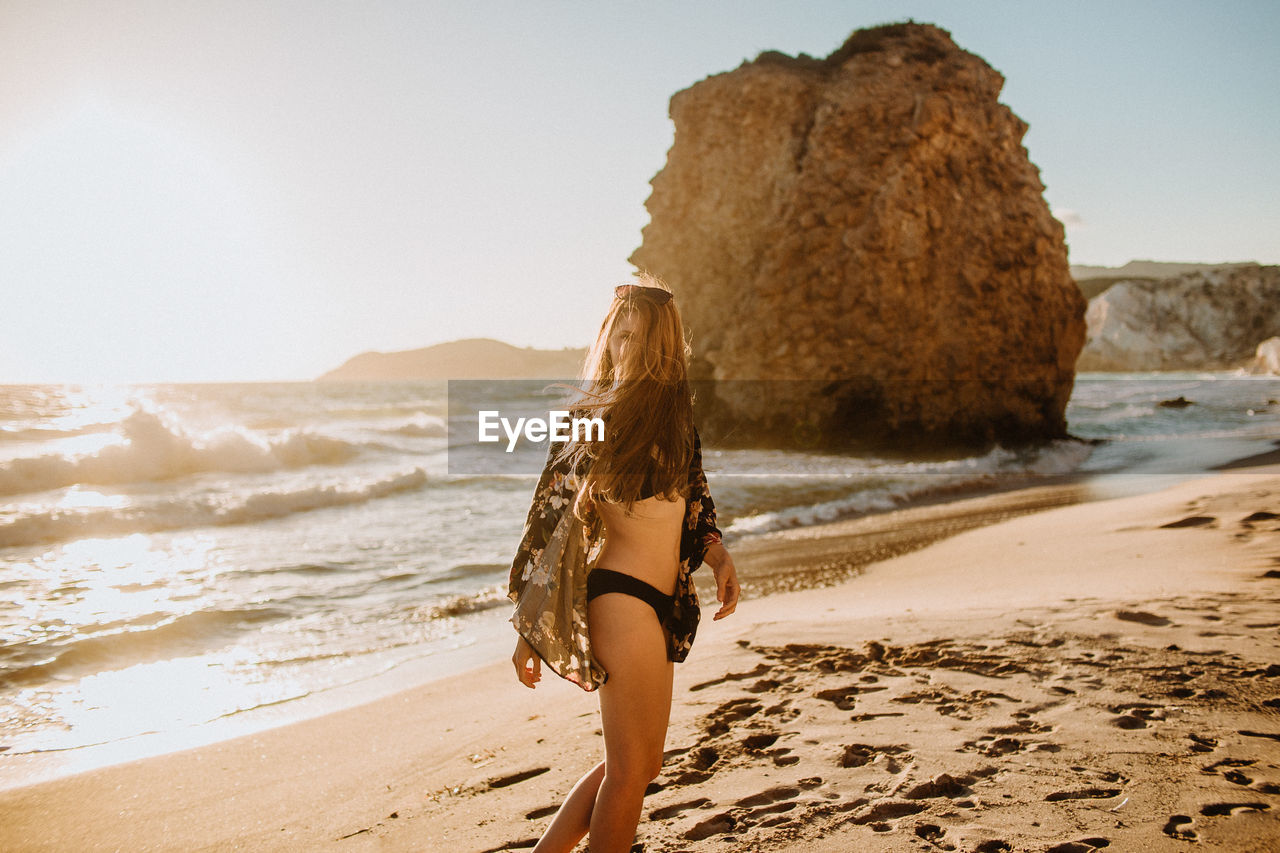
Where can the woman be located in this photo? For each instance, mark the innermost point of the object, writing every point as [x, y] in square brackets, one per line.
[619, 619]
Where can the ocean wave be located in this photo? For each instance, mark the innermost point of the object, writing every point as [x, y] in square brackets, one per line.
[421, 425]
[155, 448]
[319, 569]
[460, 605]
[466, 571]
[60, 525]
[49, 433]
[190, 633]
[917, 480]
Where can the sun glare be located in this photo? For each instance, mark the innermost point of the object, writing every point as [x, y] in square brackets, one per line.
[134, 236]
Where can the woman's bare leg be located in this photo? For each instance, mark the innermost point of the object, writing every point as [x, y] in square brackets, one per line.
[635, 707]
[574, 817]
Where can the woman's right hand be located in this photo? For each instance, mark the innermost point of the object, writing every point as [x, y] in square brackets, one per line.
[727, 587]
[528, 664]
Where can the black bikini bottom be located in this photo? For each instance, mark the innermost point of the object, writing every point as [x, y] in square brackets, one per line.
[600, 581]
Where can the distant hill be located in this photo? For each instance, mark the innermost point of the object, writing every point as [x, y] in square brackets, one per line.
[472, 358]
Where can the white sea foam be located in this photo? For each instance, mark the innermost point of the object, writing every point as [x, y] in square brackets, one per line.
[48, 433]
[154, 447]
[59, 524]
[421, 425]
[909, 481]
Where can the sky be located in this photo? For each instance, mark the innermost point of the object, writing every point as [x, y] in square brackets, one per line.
[258, 191]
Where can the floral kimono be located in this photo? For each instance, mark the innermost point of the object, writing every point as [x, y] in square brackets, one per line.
[549, 574]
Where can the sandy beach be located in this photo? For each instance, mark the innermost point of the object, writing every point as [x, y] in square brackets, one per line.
[1086, 676]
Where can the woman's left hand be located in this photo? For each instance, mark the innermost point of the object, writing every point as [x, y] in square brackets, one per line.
[727, 589]
[528, 664]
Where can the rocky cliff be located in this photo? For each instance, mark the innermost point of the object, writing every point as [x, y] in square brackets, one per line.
[1093, 280]
[1266, 358]
[864, 242]
[1209, 319]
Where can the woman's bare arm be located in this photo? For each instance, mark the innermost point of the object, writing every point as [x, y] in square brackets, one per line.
[726, 574]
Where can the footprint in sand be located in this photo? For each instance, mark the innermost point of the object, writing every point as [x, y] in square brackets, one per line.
[1135, 715]
[717, 825]
[844, 697]
[704, 757]
[1268, 735]
[1021, 727]
[769, 685]
[1272, 671]
[504, 781]
[693, 768]
[1084, 794]
[1235, 777]
[943, 785]
[761, 669]
[861, 754]
[1179, 826]
[934, 834]
[522, 844]
[862, 718]
[545, 811]
[783, 758]
[1084, 845]
[1104, 775]
[733, 711]
[1228, 809]
[1129, 721]
[1202, 743]
[771, 796]
[1229, 762]
[886, 810]
[994, 746]
[671, 811]
[760, 742]
[764, 809]
[1261, 515]
[1190, 521]
[783, 711]
[1143, 617]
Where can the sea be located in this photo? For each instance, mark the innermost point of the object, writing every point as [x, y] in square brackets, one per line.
[185, 562]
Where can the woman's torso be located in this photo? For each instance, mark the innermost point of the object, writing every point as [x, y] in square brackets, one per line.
[644, 542]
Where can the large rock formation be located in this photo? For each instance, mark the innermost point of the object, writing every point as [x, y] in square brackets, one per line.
[1204, 320]
[867, 232]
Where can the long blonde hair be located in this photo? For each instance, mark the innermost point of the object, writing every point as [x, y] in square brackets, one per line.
[645, 403]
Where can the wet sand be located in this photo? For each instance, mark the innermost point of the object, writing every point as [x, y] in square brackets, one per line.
[1092, 675]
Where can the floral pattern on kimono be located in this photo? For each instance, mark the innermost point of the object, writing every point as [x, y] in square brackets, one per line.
[548, 579]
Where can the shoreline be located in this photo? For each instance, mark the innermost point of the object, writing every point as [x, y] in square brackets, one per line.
[833, 552]
[1062, 641]
[837, 551]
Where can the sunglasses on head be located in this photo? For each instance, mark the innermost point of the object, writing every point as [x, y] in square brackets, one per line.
[656, 295]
